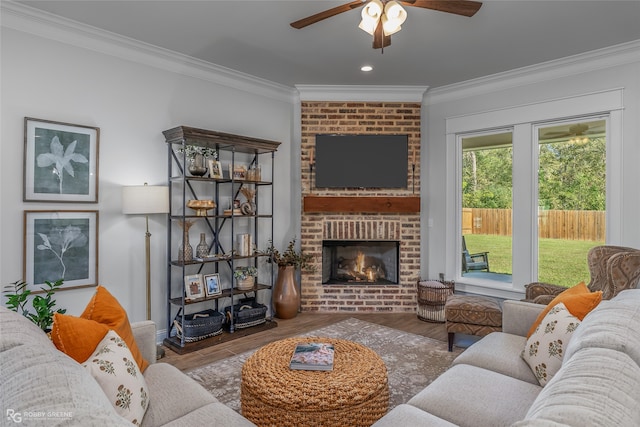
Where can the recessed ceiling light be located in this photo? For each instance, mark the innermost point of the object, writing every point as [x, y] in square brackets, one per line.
[366, 68]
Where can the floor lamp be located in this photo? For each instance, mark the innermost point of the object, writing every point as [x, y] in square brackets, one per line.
[146, 200]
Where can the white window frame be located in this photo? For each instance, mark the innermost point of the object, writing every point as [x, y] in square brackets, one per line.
[523, 120]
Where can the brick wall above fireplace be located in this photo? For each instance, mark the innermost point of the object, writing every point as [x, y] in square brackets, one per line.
[380, 217]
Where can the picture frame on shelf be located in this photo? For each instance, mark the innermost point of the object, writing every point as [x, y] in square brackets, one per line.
[215, 169]
[60, 162]
[212, 284]
[193, 286]
[60, 245]
[238, 172]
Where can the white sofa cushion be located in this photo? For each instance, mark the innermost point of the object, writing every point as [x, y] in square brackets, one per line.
[409, 416]
[595, 387]
[499, 352]
[613, 324]
[470, 396]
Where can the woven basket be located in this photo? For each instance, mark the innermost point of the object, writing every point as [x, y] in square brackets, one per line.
[432, 296]
[198, 326]
[245, 284]
[246, 314]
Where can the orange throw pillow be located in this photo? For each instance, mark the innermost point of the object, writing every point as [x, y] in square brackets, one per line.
[105, 309]
[76, 337]
[578, 299]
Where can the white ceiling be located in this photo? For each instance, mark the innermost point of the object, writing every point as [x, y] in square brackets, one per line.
[433, 49]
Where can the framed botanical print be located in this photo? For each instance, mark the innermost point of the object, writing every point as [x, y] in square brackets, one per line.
[61, 245]
[60, 162]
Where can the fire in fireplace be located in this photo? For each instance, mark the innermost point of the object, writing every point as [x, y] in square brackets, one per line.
[360, 262]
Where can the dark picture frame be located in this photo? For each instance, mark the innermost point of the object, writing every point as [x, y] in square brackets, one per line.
[60, 162]
[61, 245]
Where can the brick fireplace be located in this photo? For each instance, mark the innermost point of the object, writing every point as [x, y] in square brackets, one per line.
[369, 216]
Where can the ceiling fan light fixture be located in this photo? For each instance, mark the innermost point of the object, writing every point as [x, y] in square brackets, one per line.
[393, 18]
[371, 14]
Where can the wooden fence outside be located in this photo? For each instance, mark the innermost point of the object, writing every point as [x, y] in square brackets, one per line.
[552, 224]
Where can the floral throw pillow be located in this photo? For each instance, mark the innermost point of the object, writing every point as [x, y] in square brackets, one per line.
[545, 348]
[117, 372]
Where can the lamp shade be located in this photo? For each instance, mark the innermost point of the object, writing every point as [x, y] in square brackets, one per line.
[145, 199]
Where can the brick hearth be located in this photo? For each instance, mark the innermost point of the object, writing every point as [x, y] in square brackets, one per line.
[361, 118]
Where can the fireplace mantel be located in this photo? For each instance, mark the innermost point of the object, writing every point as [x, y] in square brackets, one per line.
[357, 204]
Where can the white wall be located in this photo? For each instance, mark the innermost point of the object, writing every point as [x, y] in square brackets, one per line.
[608, 69]
[132, 103]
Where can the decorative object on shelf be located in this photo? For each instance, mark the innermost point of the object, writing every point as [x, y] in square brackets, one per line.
[238, 172]
[60, 162]
[286, 292]
[202, 250]
[197, 165]
[201, 206]
[197, 158]
[215, 169]
[248, 207]
[212, 284]
[17, 294]
[193, 286]
[146, 200]
[254, 173]
[244, 244]
[185, 251]
[245, 277]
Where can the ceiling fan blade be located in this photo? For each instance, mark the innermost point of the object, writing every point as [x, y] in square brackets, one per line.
[458, 7]
[380, 41]
[327, 14]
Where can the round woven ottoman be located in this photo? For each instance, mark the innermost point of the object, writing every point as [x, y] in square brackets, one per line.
[354, 393]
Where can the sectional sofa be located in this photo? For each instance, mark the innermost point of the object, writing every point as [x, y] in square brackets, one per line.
[42, 386]
[598, 383]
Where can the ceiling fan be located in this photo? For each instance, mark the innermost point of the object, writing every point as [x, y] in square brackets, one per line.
[381, 18]
[577, 130]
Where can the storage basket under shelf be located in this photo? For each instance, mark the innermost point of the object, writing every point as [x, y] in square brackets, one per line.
[246, 313]
[432, 296]
[200, 325]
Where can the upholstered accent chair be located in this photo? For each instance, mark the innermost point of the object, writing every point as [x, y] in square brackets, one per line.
[612, 269]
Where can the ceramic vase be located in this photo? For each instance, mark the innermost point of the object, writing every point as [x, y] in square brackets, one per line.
[202, 250]
[197, 165]
[185, 251]
[286, 296]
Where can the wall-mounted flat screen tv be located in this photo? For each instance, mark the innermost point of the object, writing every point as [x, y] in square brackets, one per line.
[361, 161]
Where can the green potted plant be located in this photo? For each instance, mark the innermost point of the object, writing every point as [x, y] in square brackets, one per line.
[245, 277]
[286, 293]
[18, 295]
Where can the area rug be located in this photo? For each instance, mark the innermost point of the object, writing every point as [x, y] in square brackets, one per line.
[412, 361]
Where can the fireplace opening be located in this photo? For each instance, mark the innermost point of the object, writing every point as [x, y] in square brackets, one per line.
[363, 262]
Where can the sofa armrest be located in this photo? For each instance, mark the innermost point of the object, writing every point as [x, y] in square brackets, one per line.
[518, 316]
[144, 333]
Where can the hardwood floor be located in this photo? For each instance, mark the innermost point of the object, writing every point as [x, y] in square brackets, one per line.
[304, 322]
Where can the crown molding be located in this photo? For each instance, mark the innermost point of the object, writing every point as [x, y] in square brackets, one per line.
[612, 56]
[361, 93]
[36, 22]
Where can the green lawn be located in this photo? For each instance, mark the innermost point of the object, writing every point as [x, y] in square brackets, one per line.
[563, 262]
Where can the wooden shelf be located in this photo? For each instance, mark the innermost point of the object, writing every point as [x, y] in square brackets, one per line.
[356, 204]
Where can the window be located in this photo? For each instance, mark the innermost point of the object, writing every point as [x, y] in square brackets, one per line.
[565, 158]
